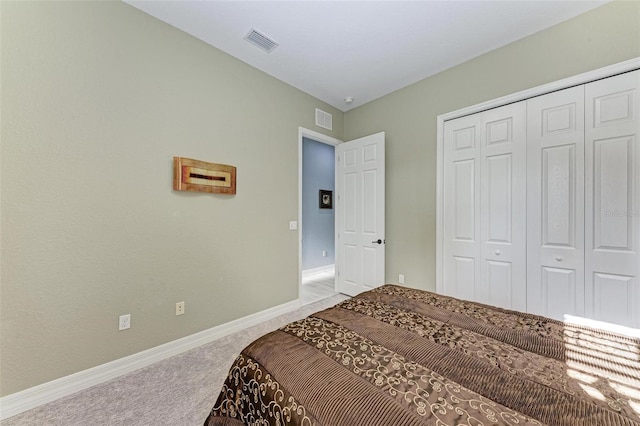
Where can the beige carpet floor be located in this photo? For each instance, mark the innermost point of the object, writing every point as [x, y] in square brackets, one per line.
[177, 391]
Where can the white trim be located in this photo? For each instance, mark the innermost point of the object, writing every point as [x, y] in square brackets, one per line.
[27, 399]
[583, 78]
[319, 270]
[318, 137]
[439, 202]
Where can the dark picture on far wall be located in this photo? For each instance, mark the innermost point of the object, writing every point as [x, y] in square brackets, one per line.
[326, 199]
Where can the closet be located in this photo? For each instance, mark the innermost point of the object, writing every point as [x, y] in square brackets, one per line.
[540, 203]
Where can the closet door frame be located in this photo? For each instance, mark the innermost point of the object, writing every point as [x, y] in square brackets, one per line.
[583, 78]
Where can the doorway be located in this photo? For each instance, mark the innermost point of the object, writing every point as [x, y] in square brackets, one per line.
[316, 216]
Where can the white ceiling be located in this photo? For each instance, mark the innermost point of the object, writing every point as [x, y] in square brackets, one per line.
[361, 49]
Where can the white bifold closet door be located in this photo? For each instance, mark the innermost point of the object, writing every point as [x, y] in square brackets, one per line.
[555, 203]
[542, 203]
[612, 193]
[485, 204]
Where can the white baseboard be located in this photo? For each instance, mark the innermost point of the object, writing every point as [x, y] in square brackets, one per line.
[27, 399]
[319, 270]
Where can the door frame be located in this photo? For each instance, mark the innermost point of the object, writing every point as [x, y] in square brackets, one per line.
[565, 83]
[328, 140]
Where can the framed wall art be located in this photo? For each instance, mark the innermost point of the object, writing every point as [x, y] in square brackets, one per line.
[326, 199]
[200, 176]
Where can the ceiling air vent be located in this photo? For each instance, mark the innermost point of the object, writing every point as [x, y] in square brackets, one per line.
[324, 119]
[260, 40]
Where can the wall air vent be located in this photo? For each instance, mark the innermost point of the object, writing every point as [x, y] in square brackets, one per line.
[260, 40]
[324, 119]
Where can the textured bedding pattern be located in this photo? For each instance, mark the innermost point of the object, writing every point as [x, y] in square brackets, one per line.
[399, 356]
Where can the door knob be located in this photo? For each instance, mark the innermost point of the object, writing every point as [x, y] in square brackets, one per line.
[378, 241]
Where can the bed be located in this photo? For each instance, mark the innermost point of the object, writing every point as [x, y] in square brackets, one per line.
[400, 356]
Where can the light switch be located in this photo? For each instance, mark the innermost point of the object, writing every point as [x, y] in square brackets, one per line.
[293, 225]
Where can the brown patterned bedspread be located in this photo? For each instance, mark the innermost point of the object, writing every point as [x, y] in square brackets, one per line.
[398, 356]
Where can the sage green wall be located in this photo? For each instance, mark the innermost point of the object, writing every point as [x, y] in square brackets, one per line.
[97, 97]
[606, 35]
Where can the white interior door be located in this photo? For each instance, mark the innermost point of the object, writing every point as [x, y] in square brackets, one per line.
[360, 214]
[555, 213]
[612, 193]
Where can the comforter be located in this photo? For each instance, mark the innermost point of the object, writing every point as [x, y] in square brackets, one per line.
[400, 356]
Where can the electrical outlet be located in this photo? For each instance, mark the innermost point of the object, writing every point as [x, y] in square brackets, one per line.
[124, 322]
[401, 279]
[324, 253]
[179, 308]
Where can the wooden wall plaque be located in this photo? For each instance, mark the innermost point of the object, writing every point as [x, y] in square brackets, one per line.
[200, 176]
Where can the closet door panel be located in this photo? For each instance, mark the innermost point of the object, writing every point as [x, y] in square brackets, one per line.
[502, 211]
[558, 200]
[499, 283]
[499, 202]
[612, 195]
[615, 295]
[462, 278]
[555, 199]
[462, 204]
[558, 289]
[613, 199]
[463, 199]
